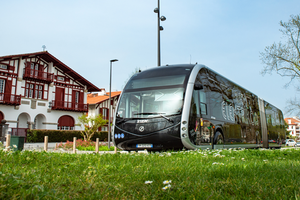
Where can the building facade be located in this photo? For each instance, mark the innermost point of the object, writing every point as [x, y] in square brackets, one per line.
[38, 91]
[293, 126]
[99, 104]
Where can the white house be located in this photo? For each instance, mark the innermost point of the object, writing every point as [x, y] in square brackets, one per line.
[99, 104]
[294, 126]
[38, 91]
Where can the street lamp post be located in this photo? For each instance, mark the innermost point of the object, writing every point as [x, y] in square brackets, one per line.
[109, 103]
[159, 28]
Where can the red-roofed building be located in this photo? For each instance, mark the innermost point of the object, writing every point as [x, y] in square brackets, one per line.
[38, 91]
[99, 104]
[294, 126]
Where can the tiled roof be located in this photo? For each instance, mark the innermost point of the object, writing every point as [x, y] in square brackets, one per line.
[293, 121]
[92, 99]
[45, 55]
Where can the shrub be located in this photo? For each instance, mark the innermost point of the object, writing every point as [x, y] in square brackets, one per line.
[38, 135]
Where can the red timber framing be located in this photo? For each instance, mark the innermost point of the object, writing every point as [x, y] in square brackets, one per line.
[8, 81]
[36, 71]
[67, 98]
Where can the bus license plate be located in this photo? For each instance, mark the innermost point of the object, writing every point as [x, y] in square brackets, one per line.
[144, 146]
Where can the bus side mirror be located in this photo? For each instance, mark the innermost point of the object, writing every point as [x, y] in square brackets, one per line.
[198, 86]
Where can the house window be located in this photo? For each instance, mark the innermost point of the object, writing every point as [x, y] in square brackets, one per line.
[34, 69]
[65, 123]
[104, 113]
[3, 66]
[2, 81]
[59, 78]
[33, 90]
[77, 97]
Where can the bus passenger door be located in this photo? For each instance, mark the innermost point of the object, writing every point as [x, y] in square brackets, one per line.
[199, 125]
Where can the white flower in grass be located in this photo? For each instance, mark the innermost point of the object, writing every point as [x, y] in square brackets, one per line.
[216, 163]
[167, 182]
[243, 159]
[265, 160]
[15, 146]
[166, 187]
[148, 182]
[232, 157]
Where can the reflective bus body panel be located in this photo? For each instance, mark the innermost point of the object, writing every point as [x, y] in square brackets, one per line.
[219, 114]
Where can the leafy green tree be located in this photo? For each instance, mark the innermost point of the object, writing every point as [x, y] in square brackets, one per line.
[91, 125]
[284, 57]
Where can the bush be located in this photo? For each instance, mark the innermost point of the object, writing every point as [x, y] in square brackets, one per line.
[37, 135]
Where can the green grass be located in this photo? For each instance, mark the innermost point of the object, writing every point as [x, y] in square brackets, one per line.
[224, 174]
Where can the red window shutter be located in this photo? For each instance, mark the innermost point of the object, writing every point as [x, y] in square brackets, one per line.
[1, 116]
[59, 97]
[28, 64]
[66, 121]
[81, 97]
[7, 90]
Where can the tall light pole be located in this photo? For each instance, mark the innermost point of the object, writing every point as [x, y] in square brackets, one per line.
[109, 103]
[159, 28]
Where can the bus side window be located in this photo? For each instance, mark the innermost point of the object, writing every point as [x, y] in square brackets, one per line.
[195, 104]
[203, 104]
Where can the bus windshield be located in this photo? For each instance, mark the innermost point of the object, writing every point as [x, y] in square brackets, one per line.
[151, 103]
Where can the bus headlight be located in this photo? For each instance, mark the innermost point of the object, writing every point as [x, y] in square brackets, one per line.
[184, 135]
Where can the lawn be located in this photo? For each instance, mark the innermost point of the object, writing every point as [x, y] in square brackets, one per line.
[222, 174]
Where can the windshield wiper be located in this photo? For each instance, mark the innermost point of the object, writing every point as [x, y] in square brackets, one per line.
[167, 118]
[154, 113]
[148, 113]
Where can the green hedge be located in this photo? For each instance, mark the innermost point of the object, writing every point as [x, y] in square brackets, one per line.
[36, 135]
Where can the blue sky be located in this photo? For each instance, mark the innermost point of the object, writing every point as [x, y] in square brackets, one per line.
[225, 35]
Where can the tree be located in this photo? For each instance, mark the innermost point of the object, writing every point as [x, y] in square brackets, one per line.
[136, 70]
[91, 125]
[284, 57]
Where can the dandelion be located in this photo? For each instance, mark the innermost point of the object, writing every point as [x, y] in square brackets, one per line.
[148, 182]
[166, 187]
[167, 182]
[216, 163]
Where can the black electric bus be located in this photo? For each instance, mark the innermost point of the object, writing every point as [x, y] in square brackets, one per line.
[192, 107]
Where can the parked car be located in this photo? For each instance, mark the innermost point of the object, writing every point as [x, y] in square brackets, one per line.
[297, 144]
[290, 142]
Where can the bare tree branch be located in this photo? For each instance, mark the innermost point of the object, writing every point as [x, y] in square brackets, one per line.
[284, 57]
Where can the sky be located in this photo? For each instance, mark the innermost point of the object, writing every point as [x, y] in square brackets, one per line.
[225, 35]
